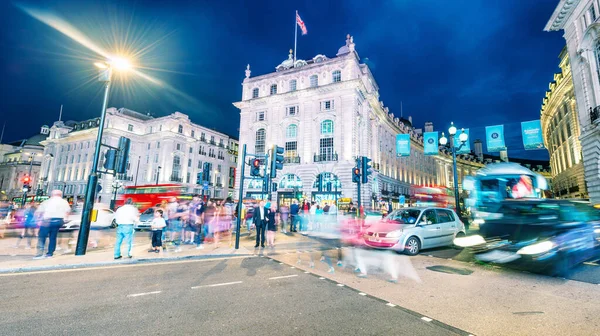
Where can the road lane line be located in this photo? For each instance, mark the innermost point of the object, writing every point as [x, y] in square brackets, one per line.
[142, 294]
[363, 294]
[591, 263]
[219, 284]
[283, 277]
[426, 319]
[389, 304]
[340, 285]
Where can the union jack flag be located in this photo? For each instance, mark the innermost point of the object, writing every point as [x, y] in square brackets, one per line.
[301, 24]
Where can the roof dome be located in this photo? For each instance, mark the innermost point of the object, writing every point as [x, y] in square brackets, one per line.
[35, 140]
[348, 47]
[287, 64]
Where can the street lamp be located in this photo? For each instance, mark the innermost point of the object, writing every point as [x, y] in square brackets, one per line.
[462, 137]
[105, 76]
[157, 174]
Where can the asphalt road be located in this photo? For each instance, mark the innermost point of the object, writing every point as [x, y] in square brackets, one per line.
[239, 296]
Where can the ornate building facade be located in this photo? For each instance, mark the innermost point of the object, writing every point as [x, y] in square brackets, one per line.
[579, 19]
[169, 149]
[326, 112]
[19, 159]
[560, 127]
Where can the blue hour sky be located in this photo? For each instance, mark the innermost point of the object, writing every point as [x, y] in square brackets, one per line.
[474, 62]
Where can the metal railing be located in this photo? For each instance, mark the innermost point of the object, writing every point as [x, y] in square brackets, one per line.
[325, 157]
[291, 160]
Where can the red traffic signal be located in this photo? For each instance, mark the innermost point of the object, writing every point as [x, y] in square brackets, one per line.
[255, 169]
[26, 179]
[256, 163]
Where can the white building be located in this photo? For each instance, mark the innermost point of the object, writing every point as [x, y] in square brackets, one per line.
[326, 112]
[17, 160]
[579, 19]
[168, 149]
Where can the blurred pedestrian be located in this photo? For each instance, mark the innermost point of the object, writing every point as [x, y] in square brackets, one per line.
[352, 211]
[126, 217]
[228, 218]
[200, 226]
[53, 211]
[29, 226]
[271, 223]
[295, 215]
[260, 221]
[312, 216]
[211, 220]
[284, 212]
[4, 223]
[192, 219]
[250, 217]
[158, 223]
[174, 224]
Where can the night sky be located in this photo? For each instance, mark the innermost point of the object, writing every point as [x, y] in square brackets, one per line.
[477, 63]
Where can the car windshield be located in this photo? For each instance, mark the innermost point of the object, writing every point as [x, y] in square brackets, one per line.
[148, 211]
[407, 216]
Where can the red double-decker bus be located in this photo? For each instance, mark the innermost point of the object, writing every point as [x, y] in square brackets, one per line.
[432, 196]
[146, 196]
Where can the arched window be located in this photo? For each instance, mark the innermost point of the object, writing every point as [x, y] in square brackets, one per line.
[291, 131]
[180, 129]
[290, 181]
[314, 81]
[327, 127]
[274, 89]
[255, 184]
[293, 85]
[259, 147]
[336, 76]
[255, 93]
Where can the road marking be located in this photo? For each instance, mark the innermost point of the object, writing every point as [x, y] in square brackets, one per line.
[340, 285]
[321, 278]
[306, 272]
[142, 294]
[280, 263]
[292, 267]
[426, 319]
[94, 268]
[389, 304]
[283, 277]
[591, 263]
[363, 294]
[219, 284]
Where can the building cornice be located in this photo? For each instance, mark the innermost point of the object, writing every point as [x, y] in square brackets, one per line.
[561, 14]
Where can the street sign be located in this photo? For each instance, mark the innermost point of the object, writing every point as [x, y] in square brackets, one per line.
[205, 185]
[402, 200]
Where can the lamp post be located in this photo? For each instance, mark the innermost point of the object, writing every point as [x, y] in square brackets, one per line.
[115, 185]
[105, 76]
[462, 137]
[157, 174]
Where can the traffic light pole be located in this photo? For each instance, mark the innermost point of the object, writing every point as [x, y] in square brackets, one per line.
[238, 222]
[90, 191]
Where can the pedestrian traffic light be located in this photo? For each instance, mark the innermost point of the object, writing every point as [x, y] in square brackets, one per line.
[123, 155]
[255, 168]
[276, 160]
[199, 178]
[274, 187]
[365, 169]
[356, 175]
[110, 158]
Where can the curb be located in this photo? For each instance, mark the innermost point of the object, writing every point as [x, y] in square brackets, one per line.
[118, 263]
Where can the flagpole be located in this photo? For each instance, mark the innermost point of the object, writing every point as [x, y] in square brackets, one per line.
[295, 35]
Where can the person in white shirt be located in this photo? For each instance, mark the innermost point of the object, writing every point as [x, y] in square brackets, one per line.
[125, 216]
[158, 223]
[53, 212]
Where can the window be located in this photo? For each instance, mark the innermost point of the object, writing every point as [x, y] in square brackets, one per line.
[291, 131]
[193, 133]
[314, 81]
[293, 85]
[81, 145]
[592, 12]
[219, 168]
[336, 76]
[273, 89]
[85, 157]
[190, 163]
[178, 147]
[429, 217]
[260, 116]
[255, 93]
[326, 149]
[259, 147]
[445, 216]
[199, 164]
[130, 128]
[191, 149]
[176, 166]
[327, 105]
[187, 177]
[156, 158]
[212, 139]
[148, 146]
[68, 147]
[291, 110]
[180, 129]
[291, 150]
[147, 159]
[327, 127]
[158, 144]
[78, 158]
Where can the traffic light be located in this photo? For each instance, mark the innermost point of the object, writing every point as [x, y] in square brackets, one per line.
[274, 187]
[110, 158]
[356, 175]
[123, 155]
[26, 180]
[276, 160]
[199, 178]
[320, 182]
[255, 168]
[206, 171]
[365, 169]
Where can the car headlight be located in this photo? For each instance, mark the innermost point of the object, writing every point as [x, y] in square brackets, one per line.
[394, 234]
[469, 241]
[537, 248]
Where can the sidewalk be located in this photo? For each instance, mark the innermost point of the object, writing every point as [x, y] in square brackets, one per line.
[21, 259]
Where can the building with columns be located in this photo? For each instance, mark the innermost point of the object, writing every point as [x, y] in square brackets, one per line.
[326, 112]
[560, 128]
[169, 149]
[579, 20]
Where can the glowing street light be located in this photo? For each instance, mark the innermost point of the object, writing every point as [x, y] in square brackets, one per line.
[462, 137]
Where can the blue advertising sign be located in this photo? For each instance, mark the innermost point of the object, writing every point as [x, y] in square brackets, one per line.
[402, 199]
[495, 138]
[532, 134]
[430, 143]
[402, 145]
[466, 148]
[205, 185]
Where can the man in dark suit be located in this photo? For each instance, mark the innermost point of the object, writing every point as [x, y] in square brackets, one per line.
[260, 221]
[294, 213]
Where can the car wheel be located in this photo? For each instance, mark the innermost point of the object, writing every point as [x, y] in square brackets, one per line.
[413, 246]
[113, 224]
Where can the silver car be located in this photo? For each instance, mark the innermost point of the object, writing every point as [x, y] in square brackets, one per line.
[145, 222]
[409, 230]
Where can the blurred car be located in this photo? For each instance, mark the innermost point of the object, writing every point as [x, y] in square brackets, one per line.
[538, 235]
[409, 230]
[145, 222]
[371, 217]
[105, 219]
